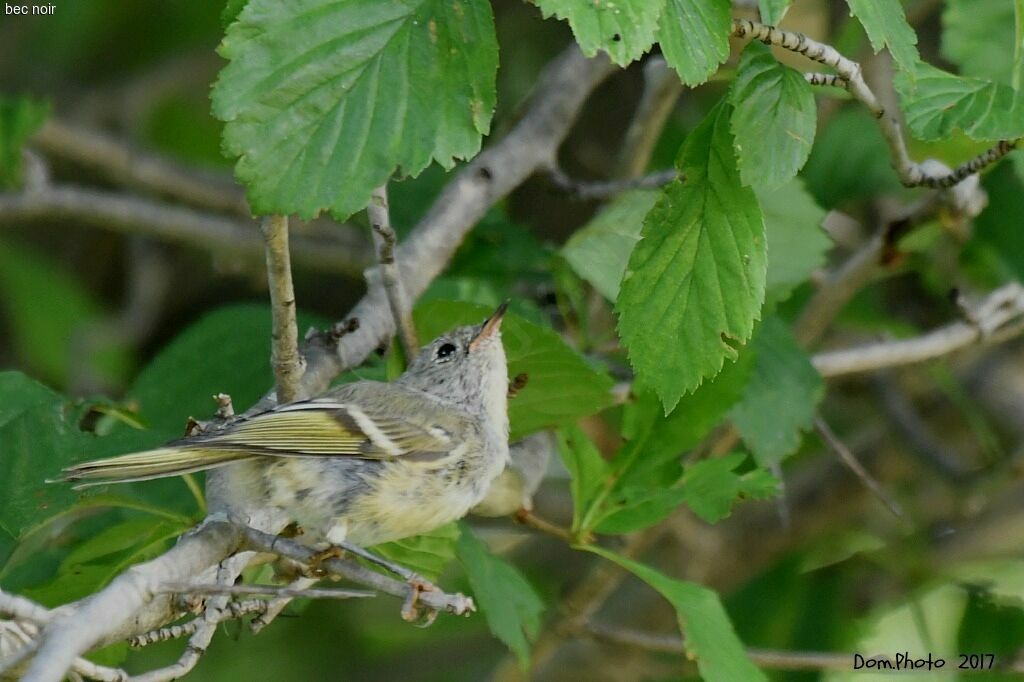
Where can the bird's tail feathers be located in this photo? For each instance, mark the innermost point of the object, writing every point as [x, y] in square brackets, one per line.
[158, 463]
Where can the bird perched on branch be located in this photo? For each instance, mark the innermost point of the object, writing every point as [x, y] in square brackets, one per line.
[366, 462]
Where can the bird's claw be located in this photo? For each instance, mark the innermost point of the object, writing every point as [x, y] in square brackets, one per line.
[410, 608]
[314, 568]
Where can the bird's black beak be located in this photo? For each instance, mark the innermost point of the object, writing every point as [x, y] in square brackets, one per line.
[490, 326]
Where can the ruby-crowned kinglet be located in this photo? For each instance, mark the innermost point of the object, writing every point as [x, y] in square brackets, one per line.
[366, 462]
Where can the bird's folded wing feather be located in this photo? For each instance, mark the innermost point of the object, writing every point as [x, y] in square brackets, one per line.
[332, 428]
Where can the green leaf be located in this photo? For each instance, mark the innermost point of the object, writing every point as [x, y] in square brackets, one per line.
[797, 244]
[782, 396]
[599, 251]
[20, 117]
[120, 537]
[696, 280]
[977, 36]
[840, 173]
[623, 28]
[561, 387]
[772, 11]
[774, 118]
[886, 26]
[511, 606]
[937, 103]
[999, 224]
[708, 634]
[428, 554]
[39, 438]
[587, 468]
[323, 100]
[48, 311]
[711, 487]
[231, 11]
[694, 37]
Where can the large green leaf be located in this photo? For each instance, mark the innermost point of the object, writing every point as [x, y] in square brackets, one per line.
[39, 437]
[977, 36]
[708, 634]
[561, 387]
[509, 603]
[694, 37]
[623, 28]
[49, 311]
[696, 280]
[937, 103]
[797, 244]
[886, 26]
[782, 396]
[19, 118]
[772, 11]
[774, 118]
[599, 251]
[324, 99]
[712, 486]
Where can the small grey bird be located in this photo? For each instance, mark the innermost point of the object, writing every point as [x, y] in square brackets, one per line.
[364, 463]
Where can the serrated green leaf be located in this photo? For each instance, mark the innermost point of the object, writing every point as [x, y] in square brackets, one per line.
[588, 470]
[694, 37]
[976, 36]
[428, 554]
[231, 11]
[781, 397]
[560, 388]
[323, 100]
[622, 28]
[937, 103]
[120, 537]
[772, 11]
[797, 244]
[886, 26]
[774, 118]
[708, 634]
[49, 311]
[711, 487]
[20, 117]
[511, 606]
[696, 280]
[599, 251]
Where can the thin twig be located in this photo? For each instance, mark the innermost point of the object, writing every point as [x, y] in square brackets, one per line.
[995, 323]
[285, 357]
[528, 518]
[23, 609]
[911, 174]
[850, 460]
[121, 163]
[233, 611]
[385, 239]
[267, 590]
[602, 189]
[342, 252]
[435, 600]
[278, 604]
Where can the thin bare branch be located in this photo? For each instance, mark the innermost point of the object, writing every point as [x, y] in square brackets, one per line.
[385, 239]
[121, 163]
[20, 608]
[911, 174]
[343, 251]
[267, 590]
[850, 460]
[603, 189]
[1000, 317]
[233, 611]
[285, 358]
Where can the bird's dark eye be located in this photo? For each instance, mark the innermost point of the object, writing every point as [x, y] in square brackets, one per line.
[445, 351]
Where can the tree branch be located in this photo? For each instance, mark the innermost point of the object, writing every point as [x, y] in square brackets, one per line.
[285, 357]
[911, 174]
[385, 239]
[853, 464]
[343, 252]
[603, 189]
[662, 89]
[1000, 317]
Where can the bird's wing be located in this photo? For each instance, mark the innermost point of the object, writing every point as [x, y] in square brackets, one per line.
[347, 426]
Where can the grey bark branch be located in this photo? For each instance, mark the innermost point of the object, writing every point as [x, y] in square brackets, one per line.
[911, 174]
[603, 189]
[345, 252]
[385, 240]
[285, 358]
[662, 89]
[853, 464]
